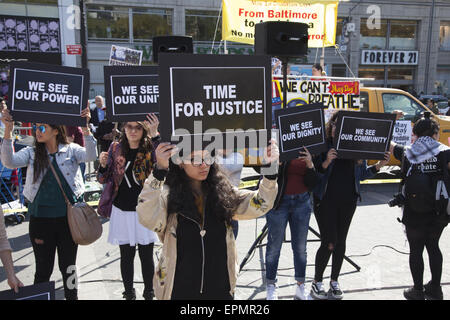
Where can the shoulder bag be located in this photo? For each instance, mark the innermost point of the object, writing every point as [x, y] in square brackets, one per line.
[84, 222]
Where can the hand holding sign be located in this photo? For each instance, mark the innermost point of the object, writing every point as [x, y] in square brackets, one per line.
[382, 163]
[272, 153]
[331, 155]
[163, 152]
[7, 121]
[153, 123]
[14, 283]
[306, 156]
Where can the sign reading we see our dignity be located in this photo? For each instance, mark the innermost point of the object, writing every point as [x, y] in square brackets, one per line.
[48, 93]
[301, 127]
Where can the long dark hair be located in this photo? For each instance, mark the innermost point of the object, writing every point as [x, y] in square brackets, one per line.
[145, 145]
[41, 154]
[220, 196]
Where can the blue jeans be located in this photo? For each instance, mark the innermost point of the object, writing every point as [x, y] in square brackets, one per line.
[295, 209]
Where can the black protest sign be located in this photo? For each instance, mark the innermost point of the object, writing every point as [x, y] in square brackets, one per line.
[48, 93]
[211, 95]
[301, 127]
[363, 135]
[39, 291]
[131, 92]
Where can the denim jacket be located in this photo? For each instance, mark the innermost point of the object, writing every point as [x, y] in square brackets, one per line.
[362, 172]
[68, 158]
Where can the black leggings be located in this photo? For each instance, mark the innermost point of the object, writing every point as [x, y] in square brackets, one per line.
[48, 235]
[127, 254]
[420, 238]
[334, 222]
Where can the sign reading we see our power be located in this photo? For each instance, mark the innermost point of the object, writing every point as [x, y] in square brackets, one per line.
[48, 93]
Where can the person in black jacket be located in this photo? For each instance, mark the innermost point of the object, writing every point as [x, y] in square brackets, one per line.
[335, 201]
[424, 229]
[295, 180]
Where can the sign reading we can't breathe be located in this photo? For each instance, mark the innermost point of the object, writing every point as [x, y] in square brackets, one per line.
[48, 93]
[220, 93]
[363, 135]
[301, 127]
[131, 92]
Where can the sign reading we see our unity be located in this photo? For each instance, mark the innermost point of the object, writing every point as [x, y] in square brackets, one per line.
[210, 95]
[131, 92]
[48, 93]
[240, 17]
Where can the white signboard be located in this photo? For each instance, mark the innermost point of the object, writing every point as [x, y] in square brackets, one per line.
[402, 132]
[389, 57]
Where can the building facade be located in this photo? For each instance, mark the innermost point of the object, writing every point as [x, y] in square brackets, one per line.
[401, 44]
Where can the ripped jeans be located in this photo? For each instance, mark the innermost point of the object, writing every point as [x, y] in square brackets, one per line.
[334, 221]
[48, 235]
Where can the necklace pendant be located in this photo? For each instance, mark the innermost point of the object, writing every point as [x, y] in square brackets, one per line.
[202, 233]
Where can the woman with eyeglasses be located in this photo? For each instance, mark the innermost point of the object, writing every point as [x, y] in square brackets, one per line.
[335, 200]
[126, 166]
[49, 229]
[190, 205]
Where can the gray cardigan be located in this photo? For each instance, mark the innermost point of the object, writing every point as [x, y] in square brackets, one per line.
[68, 158]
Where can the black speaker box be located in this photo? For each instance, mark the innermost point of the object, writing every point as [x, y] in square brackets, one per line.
[171, 44]
[280, 38]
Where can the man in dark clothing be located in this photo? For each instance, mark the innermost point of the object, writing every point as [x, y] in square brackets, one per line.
[102, 129]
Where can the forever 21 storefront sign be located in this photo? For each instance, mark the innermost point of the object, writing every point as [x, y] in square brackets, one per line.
[389, 57]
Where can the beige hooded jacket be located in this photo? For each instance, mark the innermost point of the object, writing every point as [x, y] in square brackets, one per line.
[152, 211]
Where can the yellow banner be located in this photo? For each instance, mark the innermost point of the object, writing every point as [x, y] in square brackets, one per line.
[240, 16]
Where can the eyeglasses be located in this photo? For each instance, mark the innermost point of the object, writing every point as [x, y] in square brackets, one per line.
[129, 127]
[41, 128]
[197, 162]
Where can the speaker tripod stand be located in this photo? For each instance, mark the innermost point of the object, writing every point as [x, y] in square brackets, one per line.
[257, 243]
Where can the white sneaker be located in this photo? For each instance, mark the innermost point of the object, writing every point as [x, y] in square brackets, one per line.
[271, 290]
[300, 292]
[335, 292]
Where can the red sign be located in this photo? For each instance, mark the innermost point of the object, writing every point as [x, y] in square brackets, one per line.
[344, 87]
[74, 49]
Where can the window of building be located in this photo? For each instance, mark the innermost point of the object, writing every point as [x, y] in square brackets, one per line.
[444, 36]
[373, 38]
[371, 72]
[403, 34]
[201, 25]
[148, 23]
[392, 34]
[338, 70]
[108, 22]
[399, 73]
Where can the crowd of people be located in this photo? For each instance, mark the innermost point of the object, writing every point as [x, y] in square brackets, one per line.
[193, 206]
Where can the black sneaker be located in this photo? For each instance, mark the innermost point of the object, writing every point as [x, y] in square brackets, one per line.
[433, 292]
[129, 295]
[335, 292]
[317, 291]
[148, 295]
[414, 294]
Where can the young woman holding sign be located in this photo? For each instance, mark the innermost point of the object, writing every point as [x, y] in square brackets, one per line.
[334, 205]
[49, 229]
[125, 167]
[191, 206]
[296, 179]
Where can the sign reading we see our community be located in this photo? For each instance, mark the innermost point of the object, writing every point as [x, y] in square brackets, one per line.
[48, 93]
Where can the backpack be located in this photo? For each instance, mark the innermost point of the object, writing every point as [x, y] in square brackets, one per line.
[419, 190]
